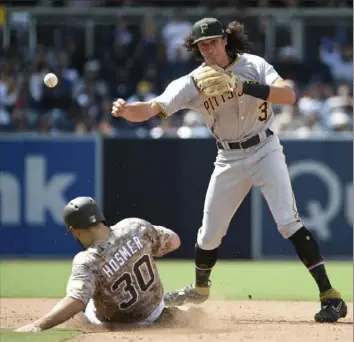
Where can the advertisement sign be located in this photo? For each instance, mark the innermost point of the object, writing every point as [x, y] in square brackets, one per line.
[37, 178]
[322, 179]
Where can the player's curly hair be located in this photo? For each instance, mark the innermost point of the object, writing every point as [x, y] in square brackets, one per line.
[237, 41]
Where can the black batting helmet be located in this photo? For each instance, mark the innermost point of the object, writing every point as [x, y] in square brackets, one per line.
[82, 212]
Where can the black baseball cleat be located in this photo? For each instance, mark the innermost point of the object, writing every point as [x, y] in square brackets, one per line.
[190, 294]
[332, 309]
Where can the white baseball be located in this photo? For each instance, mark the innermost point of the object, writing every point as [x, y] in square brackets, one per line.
[50, 80]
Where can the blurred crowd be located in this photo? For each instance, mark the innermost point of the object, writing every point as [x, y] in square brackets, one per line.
[189, 3]
[136, 62]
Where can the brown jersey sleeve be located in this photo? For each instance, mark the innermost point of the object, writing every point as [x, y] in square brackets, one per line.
[162, 240]
[82, 281]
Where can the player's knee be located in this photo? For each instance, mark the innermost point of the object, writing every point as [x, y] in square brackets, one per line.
[289, 229]
[208, 245]
[208, 241]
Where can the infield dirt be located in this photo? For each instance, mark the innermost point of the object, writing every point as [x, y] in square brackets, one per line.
[230, 320]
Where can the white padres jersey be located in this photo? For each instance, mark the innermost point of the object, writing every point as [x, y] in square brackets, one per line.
[229, 117]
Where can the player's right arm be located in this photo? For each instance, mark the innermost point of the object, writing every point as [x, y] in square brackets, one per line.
[136, 111]
[80, 289]
[175, 97]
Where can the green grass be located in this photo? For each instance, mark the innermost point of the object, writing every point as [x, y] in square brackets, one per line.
[33, 278]
[53, 335]
[231, 279]
[274, 280]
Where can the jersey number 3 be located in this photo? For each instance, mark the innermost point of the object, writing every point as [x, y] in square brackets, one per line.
[126, 281]
[264, 111]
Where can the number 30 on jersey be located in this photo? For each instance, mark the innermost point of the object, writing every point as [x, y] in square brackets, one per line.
[127, 282]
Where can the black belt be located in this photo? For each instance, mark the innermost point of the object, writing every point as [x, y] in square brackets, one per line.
[244, 144]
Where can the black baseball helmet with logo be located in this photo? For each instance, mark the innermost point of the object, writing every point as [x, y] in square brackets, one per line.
[82, 212]
[207, 28]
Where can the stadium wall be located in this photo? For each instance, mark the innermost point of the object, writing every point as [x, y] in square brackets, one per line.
[163, 181]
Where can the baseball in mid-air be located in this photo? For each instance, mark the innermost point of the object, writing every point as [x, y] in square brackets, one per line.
[50, 80]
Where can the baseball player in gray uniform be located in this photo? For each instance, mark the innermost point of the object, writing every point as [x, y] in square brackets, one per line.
[114, 281]
[234, 91]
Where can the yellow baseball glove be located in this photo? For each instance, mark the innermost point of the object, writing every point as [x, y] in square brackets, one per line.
[213, 80]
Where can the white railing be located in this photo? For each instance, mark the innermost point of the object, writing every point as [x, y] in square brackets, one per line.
[194, 11]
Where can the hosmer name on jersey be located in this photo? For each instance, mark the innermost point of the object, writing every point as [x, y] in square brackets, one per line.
[123, 254]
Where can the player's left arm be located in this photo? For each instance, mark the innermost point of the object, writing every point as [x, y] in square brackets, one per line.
[272, 87]
[164, 240]
[80, 289]
[281, 93]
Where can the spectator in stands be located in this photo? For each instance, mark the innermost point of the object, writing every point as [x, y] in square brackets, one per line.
[135, 56]
[311, 126]
[311, 101]
[55, 104]
[290, 67]
[144, 92]
[65, 70]
[341, 102]
[123, 39]
[173, 34]
[77, 57]
[105, 119]
[288, 120]
[167, 128]
[122, 85]
[91, 81]
[147, 49]
[148, 56]
[39, 69]
[8, 96]
[193, 126]
[89, 113]
[24, 116]
[339, 58]
[341, 122]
